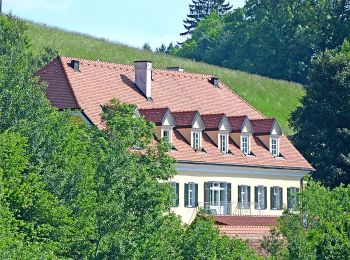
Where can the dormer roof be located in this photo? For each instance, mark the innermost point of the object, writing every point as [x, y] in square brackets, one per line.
[157, 115]
[185, 119]
[266, 126]
[212, 121]
[237, 122]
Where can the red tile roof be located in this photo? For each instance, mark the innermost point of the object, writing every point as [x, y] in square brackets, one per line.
[212, 121]
[96, 83]
[154, 115]
[249, 221]
[262, 126]
[184, 118]
[236, 122]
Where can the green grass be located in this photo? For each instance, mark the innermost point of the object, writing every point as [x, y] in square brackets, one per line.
[274, 98]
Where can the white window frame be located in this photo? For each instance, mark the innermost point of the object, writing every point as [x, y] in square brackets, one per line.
[245, 145]
[261, 198]
[170, 138]
[274, 147]
[244, 203]
[191, 195]
[278, 197]
[223, 148]
[196, 145]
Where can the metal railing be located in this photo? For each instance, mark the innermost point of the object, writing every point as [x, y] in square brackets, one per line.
[232, 208]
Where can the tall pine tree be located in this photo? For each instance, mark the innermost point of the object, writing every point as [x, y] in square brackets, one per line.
[199, 9]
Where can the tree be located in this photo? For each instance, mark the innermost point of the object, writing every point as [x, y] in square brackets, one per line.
[322, 122]
[147, 47]
[320, 227]
[162, 48]
[202, 240]
[199, 9]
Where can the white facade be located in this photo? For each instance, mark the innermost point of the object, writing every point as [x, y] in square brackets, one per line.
[234, 175]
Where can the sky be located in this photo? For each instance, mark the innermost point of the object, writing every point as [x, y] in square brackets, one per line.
[130, 22]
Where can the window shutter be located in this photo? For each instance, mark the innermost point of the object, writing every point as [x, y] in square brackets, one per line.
[280, 193]
[248, 196]
[256, 197]
[186, 195]
[196, 195]
[228, 205]
[240, 196]
[177, 195]
[206, 196]
[265, 198]
[289, 199]
[271, 198]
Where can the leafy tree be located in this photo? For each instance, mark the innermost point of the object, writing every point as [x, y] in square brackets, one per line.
[199, 9]
[320, 228]
[271, 38]
[322, 122]
[202, 240]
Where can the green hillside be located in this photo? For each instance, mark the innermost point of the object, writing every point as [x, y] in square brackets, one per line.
[274, 98]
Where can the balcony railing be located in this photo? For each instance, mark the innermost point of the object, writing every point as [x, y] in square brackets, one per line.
[233, 208]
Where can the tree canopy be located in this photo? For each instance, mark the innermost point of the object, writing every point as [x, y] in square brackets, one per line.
[200, 9]
[271, 38]
[322, 122]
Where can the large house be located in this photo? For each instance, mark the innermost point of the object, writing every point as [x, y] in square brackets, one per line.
[231, 160]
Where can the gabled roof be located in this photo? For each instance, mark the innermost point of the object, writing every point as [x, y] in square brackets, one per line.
[263, 126]
[184, 119]
[212, 121]
[155, 115]
[237, 122]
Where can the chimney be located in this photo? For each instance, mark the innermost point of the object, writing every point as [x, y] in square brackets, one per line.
[75, 65]
[179, 69]
[214, 81]
[143, 77]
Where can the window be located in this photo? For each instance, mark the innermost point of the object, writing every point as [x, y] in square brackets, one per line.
[196, 141]
[274, 147]
[244, 197]
[175, 186]
[167, 134]
[276, 198]
[223, 143]
[292, 197]
[217, 198]
[245, 144]
[191, 195]
[260, 197]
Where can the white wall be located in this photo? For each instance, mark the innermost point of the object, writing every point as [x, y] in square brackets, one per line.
[236, 176]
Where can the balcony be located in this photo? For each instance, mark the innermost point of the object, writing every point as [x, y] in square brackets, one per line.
[235, 208]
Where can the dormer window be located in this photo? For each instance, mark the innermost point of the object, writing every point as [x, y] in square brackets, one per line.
[274, 146]
[167, 133]
[245, 145]
[223, 143]
[196, 140]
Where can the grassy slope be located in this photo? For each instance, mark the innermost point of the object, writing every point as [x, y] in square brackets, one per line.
[274, 98]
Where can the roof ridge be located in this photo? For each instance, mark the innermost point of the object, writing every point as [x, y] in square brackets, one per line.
[183, 73]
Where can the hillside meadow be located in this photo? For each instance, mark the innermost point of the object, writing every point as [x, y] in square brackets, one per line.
[274, 98]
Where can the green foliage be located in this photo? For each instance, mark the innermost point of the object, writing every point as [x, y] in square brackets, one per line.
[202, 240]
[258, 91]
[320, 228]
[272, 38]
[147, 47]
[200, 9]
[322, 124]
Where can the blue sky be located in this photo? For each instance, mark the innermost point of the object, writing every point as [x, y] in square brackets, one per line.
[126, 21]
